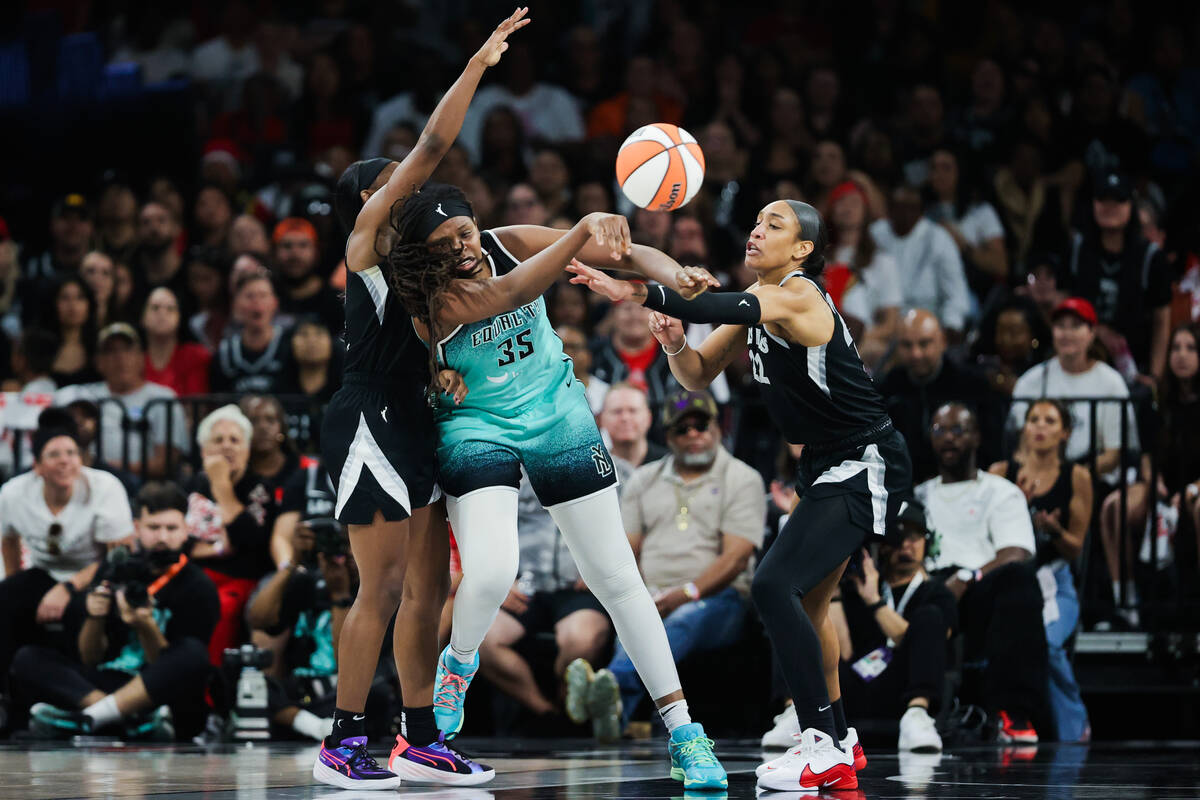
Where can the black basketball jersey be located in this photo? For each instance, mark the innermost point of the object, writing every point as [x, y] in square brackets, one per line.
[815, 395]
[380, 338]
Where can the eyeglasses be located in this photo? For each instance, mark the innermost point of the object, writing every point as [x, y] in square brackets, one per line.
[54, 539]
[941, 430]
[684, 428]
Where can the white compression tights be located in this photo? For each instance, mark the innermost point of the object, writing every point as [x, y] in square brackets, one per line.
[485, 526]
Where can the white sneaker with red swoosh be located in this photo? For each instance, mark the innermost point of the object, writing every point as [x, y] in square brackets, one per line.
[815, 764]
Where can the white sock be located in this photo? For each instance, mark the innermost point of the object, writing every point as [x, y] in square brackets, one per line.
[595, 535]
[103, 712]
[675, 715]
[309, 724]
[485, 527]
[1130, 592]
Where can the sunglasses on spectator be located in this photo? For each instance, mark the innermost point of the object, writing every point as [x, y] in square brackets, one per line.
[684, 428]
[54, 539]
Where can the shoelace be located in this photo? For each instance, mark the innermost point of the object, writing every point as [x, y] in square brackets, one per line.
[700, 751]
[359, 757]
[451, 686]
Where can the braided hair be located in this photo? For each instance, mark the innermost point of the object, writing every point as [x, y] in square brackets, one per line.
[419, 275]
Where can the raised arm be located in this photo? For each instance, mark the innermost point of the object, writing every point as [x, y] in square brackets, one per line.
[437, 137]
[470, 301]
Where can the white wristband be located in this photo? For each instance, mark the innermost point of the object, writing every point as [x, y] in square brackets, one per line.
[677, 352]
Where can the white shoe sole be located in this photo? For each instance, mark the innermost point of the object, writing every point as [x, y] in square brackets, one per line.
[766, 782]
[331, 777]
[417, 775]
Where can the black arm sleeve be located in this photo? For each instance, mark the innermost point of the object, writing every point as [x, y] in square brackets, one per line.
[726, 308]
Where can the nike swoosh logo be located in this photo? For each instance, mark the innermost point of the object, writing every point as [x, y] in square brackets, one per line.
[502, 379]
[824, 708]
[744, 303]
[359, 717]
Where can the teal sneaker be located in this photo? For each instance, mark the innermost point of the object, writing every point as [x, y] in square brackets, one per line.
[157, 725]
[693, 760]
[450, 692]
[604, 707]
[579, 680]
[50, 722]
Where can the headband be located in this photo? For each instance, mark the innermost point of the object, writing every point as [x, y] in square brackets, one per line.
[428, 222]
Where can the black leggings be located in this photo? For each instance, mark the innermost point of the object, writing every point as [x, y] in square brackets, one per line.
[180, 675]
[817, 538]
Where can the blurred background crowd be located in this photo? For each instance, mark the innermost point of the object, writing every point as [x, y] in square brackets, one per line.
[1011, 197]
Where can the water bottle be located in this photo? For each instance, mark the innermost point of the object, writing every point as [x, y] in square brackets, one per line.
[250, 715]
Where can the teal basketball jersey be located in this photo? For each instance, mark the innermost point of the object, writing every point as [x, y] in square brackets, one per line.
[509, 361]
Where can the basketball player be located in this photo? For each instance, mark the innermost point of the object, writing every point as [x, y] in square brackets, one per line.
[378, 445]
[853, 474]
[527, 409]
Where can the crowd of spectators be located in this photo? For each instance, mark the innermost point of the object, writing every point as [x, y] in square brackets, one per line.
[1012, 217]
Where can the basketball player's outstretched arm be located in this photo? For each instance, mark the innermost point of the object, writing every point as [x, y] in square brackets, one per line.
[525, 240]
[439, 133]
[472, 300]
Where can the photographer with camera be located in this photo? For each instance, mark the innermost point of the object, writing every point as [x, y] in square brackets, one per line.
[142, 648]
[307, 601]
[64, 515]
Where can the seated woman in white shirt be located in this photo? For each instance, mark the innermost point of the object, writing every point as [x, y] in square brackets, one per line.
[1074, 373]
[863, 281]
[64, 515]
[974, 225]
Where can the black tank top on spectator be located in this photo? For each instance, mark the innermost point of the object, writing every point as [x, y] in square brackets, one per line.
[309, 492]
[381, 343]
[1057, 498]
[238, 370]
[818, 396]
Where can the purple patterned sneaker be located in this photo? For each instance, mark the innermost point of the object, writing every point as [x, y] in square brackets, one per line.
[350, 766]
[436, 763]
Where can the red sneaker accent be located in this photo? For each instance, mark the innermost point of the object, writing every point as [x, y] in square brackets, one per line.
[839, 776]
[1011, 732]
[860, 758]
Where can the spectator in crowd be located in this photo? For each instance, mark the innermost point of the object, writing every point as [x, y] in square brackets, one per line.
[694, 518]
[32, 362]
[986, 536]
[64, 515]
[230, 515]
[316, 364]
[926, 378]
[780, 154]
[862, 279]
[611, 118]
[207, 272]
[180, 366]
[304, 289]
[308, 494]
[85, 415]
[255, 358]
[893, 629]
[925, 131]
[305, 603]
[972, 223]
[1059, 494]
[142, 429]
[1013, 337]
[116, 221]
[632, 355]
[1074, 372]
[273, 457]
[1126, 279]
[247, 234]
[504, 154]
[574, 343]
[549, 596]
[213, 215]
[568, 306]
[1176, 456]
[931, 269]
[548, 111]
[625, 421]
[10, 273]
[142, 644]
[551, 179]
[71, 230]
[97, 269]
[157, 260]
[522, 206]
[980, 124]
[73, 318]
[827, 171]
[1034, 209]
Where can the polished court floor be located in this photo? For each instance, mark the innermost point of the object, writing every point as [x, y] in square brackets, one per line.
[569, 769]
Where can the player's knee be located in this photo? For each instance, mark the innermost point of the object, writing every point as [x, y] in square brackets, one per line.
[769, 593]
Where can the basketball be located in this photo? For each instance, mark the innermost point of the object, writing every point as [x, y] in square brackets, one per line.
[660, 167]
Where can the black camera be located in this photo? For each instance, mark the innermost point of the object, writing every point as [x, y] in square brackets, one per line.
[247, 656]
[128, 570]
[328, 537]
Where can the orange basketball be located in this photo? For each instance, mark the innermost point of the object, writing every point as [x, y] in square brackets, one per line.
[660, 167]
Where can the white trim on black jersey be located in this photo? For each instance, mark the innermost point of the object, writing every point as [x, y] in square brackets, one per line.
[377, 287]
[876, 468]
[365, 453]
